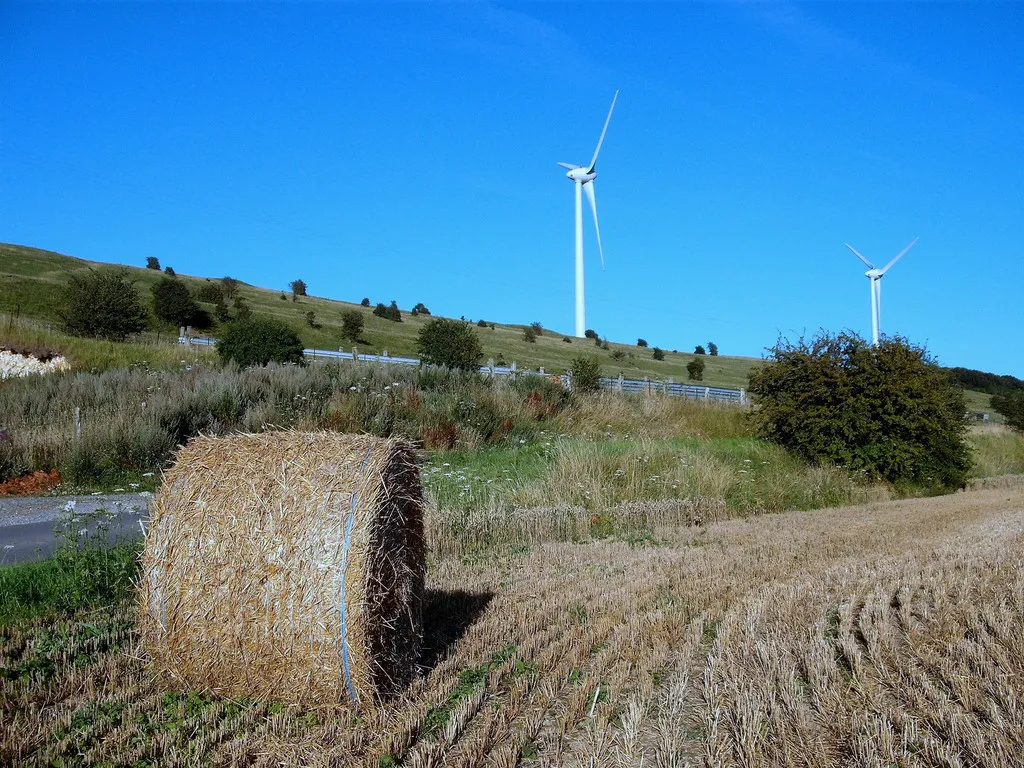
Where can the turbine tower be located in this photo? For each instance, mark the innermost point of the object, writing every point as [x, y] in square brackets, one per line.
[584, 176]
[875, 276]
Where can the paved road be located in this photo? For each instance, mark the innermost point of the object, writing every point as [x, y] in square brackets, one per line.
[28, 525]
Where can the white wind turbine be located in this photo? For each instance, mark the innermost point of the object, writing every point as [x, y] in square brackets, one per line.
[584, 177]
[875, 276]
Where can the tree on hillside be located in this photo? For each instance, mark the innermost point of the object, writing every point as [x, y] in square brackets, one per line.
[103, 304]
[230, 287]
[659, 353]
[298, 287]
[590, 333]
[641, 342]
[364, 303]
[351, 324]
[529, 335]
[538, 329]
[712, 349]
[259, 341]
[451, 343]
[885, 411]
[173, 304]
[695, 369]
[152, 262]
[169, 271]
[699, 350]
[1011, 407]
[420, 309]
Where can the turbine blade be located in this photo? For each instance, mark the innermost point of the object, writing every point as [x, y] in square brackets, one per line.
[900, 255]
[588, 187]
[603, 131]
[569, 166]
[857, 254]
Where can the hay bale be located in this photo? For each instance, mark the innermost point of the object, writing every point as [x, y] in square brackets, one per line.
[286, 566]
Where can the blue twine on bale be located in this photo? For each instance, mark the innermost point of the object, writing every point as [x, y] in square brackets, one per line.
[341, 589]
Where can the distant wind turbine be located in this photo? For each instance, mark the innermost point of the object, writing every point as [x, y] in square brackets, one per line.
[584, 177]
[875, 276]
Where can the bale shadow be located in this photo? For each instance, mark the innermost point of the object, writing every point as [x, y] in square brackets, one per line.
[446, 617]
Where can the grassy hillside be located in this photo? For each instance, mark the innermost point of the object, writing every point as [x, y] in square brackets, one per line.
[31, 282]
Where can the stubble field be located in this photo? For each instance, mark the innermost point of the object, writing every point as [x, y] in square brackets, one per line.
[883, 634]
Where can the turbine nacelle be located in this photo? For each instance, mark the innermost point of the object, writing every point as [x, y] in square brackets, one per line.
[874, 274]
[579, 174]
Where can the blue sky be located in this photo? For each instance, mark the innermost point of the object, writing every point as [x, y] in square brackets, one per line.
[407, 151]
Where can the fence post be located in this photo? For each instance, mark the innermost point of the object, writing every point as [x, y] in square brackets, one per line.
[669, 384]
[385, 353]
[355, 352]
[490, 368]
[743, 396]
[647, 384]
[78, 422]
[542, 370]
[707, 392]
[619, 385]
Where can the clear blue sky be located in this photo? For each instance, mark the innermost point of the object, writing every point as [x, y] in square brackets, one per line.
[407, 151]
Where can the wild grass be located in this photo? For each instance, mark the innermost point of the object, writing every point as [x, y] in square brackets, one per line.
[998, 450]
[884, 634]
[86, 572]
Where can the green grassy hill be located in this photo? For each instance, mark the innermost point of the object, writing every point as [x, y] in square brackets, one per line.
[31, 282]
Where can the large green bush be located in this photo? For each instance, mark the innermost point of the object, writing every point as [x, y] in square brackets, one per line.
[449, 342]
[259, 341]
[104, 304]
[886, 411]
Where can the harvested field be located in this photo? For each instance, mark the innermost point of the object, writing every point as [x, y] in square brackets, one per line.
[885, 634]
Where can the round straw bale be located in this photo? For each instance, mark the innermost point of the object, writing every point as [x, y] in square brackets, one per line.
[286, 566]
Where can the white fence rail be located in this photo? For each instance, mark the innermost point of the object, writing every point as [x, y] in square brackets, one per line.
[646, 386]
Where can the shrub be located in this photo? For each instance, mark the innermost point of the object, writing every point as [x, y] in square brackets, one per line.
[586, 373]
[242, 309]
[695, 369]
[259, 341]
[169, 271]
[1011, 407]
[420, 309]
[618, 354]
[567, 340]
[641, 342]
[451, 343]
[388, 313]
[364, 303]
[712, 349]
[659, 353]
[298, 287]
[699, 350]
[884, 411]
[103, 304]
[212, 293]
[173, 303]
[590, 333]
[351, 324]
[481, 323]
[152, 262]
[311, 320]
[537, 328]
[529, 335]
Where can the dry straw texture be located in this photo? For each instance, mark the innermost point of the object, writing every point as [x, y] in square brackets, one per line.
[286, 566]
